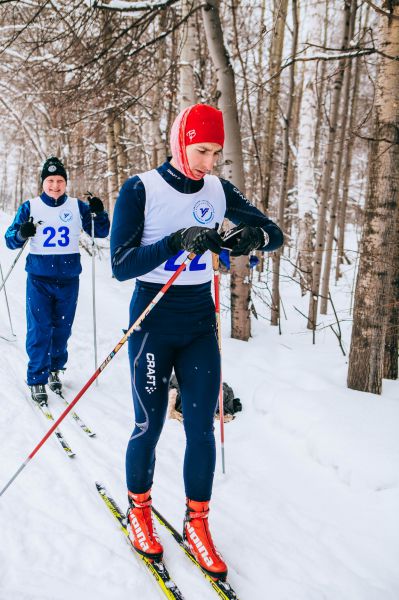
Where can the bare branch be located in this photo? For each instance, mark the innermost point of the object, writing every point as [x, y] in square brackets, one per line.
[380, 10]
[37, 13]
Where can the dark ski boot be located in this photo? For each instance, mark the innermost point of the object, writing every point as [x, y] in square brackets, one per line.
[39, 394]
[54, 382]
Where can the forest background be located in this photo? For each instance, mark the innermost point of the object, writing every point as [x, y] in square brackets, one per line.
[310, 95]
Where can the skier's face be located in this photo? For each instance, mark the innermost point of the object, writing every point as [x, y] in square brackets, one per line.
[203, 157]
[54, 186]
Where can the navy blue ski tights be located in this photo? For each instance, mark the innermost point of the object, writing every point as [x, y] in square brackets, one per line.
[196, 361]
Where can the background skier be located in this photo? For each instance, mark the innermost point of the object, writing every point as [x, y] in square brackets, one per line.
[53, 222]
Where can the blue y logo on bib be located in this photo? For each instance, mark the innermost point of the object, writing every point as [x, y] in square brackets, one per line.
[65, 215]
[203, 212]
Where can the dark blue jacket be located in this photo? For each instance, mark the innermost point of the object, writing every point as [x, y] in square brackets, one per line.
[58, 266]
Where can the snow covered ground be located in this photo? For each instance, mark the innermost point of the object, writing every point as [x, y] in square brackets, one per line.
[308, 509]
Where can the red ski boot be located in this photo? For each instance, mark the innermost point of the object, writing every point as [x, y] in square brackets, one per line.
[197, 536]
[142, 530]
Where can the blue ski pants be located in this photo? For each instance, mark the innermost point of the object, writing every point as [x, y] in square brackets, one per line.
[50, 311]
[196, 360]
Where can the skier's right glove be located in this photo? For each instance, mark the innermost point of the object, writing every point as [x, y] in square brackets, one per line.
[196, 240]
[27, 229]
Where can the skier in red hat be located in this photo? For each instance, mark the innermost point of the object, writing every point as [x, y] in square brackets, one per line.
[160, 216]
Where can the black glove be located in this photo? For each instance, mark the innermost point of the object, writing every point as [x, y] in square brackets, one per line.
[196, 239]
[243, 239]
[27, 229]
[96, 205]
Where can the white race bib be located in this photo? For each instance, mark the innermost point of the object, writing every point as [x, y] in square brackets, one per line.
[167, 210]
[60, 227]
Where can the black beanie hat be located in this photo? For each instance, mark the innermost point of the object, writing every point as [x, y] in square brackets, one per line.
[53, 166]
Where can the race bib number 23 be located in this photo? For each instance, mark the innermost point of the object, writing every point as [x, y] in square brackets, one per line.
[56, 237]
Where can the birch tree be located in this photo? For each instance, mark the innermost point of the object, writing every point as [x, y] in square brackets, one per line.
[109, 76]
[313, 21]
[391, 349]
[373, 296]
[275, 313]
[233, 170]
[276, 52]
[188, 56]
[159, 151]
[321, 84]
[339, 153]
[326, 176]
[347, 162]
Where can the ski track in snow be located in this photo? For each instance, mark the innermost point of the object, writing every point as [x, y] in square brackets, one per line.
[306, 511]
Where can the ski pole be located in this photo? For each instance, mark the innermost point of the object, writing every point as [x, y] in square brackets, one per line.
[13, 265]
[93, 285]
[101, 368]
[216, 282]
[7, 304]
[17, 257]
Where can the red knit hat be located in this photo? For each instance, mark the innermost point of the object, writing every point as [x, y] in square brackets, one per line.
[193, 125]
[204, 124]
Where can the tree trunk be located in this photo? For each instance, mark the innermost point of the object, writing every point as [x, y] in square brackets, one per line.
[321, 88]
[325, 285]
[109, 77]
[239, 280]
[188, 57]
[256, 182]
[326, 179]
[347, 169]
[391, 338]
[112, 175]
[291, 205]
[276, 51]
[159, 150]
[4, 183]
[255, 166]
[120, 150]
[275, 312]
[373, 295]
[306, 162]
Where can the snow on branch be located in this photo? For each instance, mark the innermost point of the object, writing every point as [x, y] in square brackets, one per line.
[327, 57]
[127, 7]
[140, 48]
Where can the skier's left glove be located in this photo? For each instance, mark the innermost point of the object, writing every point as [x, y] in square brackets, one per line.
[96, 205]
[196, 239]
[243, 239]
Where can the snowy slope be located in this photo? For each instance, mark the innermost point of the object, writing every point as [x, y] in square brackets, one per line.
[306, 511]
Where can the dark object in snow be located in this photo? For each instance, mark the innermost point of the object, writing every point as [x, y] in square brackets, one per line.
[231, 405]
